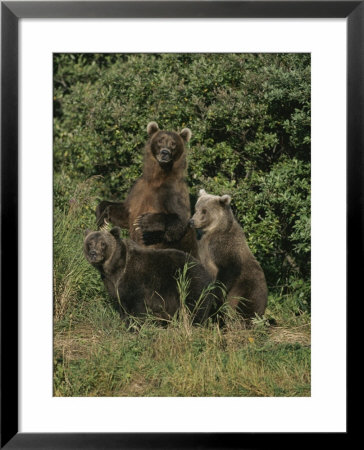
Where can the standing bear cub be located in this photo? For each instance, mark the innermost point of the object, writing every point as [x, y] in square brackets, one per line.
[144, 280]
[157, 210]
[224, 251]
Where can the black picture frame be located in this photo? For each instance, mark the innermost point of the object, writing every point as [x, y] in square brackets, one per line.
[11, 12]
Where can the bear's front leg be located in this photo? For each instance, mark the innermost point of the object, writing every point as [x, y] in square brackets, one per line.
[152, 227]
[175, 228]
[112, 212]
[160, 227]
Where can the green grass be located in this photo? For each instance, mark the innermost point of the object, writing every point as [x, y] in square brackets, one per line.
[155, 361]
[95, 354]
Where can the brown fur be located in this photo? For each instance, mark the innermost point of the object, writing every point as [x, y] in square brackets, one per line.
[224, 251]
[157, 209]
[144, 280]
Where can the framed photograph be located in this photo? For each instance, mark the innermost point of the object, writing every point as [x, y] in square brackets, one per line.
[262, 108]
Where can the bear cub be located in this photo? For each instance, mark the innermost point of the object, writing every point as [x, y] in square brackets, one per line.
[157, 209]
[143, 280]
[224, 251]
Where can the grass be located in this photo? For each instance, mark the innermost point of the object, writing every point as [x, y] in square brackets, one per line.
[111, 361]
[96, 354]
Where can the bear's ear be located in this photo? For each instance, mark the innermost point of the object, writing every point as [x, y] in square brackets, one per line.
[225, 199]
[152, 128]
[86, 232]
[202, 192]
[115, 231]
[186, 134]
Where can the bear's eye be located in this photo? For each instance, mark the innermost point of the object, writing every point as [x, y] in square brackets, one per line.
[103, 245]
[173, 144]
[203, 211]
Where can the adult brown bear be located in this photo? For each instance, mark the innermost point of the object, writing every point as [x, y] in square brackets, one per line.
[157, 209]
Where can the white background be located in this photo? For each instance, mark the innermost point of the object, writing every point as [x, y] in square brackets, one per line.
[325, 409]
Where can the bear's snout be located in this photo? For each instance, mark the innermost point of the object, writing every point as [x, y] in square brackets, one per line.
[93, 254]
[165, 154]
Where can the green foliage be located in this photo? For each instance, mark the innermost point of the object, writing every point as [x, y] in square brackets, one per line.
[250, 119]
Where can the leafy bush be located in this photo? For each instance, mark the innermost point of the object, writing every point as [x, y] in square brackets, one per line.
[250, 119]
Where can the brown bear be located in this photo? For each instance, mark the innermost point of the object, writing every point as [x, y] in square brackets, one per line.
[144, 280]
[224, 251]
[157, 210]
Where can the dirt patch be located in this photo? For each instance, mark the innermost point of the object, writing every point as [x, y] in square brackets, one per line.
[300, 335]
[76, 343]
